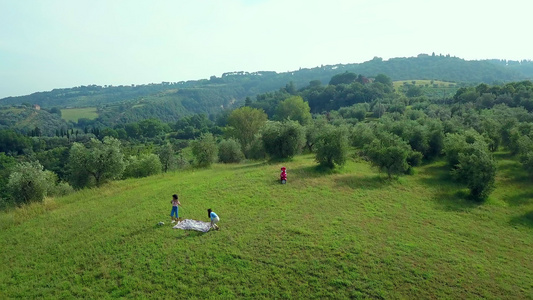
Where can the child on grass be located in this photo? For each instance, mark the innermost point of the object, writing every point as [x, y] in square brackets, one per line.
[175, 202]
[214, 218]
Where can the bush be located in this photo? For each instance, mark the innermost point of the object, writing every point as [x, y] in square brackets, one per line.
[283, 140]
[60, 189]
[295, 109]
[332, 146]
[415, 158]
[389, 153]
[182, 162]
[7, 163]
[312, 131]
[361, 135]
[167, 157]
[28, 183]
[455, 143]
[229, 151]
[100, 162]
[478, 170]
[256, 150]
[378, 110]
[142, 166]
[204, 150]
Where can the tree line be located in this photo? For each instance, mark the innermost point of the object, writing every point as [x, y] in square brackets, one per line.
[391, 130]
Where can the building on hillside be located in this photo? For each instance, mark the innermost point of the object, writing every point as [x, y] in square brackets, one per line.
[37, 107]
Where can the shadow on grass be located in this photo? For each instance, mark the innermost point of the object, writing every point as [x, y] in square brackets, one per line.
[514, 171]
[519, 199]
[367, 182]
[190, 234]
[313, 171]
[449, 196]
[503, 155]
[250, 165]
[458, 201]
[523, 220]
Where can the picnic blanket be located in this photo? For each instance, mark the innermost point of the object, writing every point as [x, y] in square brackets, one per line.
[189, 224]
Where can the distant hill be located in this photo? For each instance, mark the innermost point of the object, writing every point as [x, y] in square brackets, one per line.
[170, 101]
[25, 119]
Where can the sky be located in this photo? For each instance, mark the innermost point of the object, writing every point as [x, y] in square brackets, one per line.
[47, 44]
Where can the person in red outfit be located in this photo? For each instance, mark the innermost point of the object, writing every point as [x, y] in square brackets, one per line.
[283, 175]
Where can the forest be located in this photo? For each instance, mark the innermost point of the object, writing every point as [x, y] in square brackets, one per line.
[352, 116]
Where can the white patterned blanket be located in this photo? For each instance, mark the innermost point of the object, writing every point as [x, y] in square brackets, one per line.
[189, 224]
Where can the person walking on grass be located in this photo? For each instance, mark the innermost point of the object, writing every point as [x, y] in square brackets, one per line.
[283, 175]
[175, 202]
[214, 219]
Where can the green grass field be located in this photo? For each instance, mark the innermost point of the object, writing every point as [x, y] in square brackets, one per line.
[347, 233]
[74, 114]
[436, 83]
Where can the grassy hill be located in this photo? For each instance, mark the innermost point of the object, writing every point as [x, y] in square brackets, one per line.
[73, 114]
[348, 233]
[25, 119]
[430, 88]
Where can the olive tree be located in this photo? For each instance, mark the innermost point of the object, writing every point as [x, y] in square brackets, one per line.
[97, 163]
[283, 140]
[167, 157]
[477, 169]
[229, 151]
[204, 150]
[332, 146]
[389, 153]
[28, 183]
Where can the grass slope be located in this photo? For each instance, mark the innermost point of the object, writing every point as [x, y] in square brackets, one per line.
[74, 114]
[424, 82]
[340, 234]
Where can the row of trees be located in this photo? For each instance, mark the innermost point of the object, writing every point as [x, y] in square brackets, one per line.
[394, 133]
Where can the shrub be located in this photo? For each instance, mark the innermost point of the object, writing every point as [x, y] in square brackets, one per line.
[182, 162]
[60, 189]
[256, 150]
[527, 161]
[361, 135]
[332, 146]
[6, 165]
[378, 110]
[478, 170]
[283, 140]
[204, 150]
[229, 151]
[28, 183]
[455, 143]
[415, 158]
[100, 162]
[312, 131]
[293, 108]
[142, 166]
[167, 157]
[389, 153]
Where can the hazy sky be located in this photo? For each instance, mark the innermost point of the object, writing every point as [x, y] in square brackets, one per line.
[47, 44]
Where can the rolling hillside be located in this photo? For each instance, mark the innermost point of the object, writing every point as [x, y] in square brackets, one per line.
[239, 85]
[341, 234]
